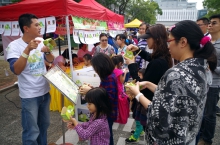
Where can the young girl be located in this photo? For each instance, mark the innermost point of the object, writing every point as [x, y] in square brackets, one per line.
[141, 73]
[104, 67]
[118, 61]
[96, 130]
[87, 60]
[120, 75]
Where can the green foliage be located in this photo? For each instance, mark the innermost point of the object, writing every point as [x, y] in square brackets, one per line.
[107, 3]
[213, 7]
[15, 1]
[144, 10]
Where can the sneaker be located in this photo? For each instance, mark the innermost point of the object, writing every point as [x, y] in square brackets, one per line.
[217, 111]
[142, 133]
[131, 139]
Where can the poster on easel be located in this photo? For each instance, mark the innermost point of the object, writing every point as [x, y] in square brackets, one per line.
[59, 79]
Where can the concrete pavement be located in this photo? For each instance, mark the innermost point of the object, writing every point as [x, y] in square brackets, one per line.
[10, 125]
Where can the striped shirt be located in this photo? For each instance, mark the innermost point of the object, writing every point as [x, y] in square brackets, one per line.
[97, 131]
[216, 73]
[142, 44]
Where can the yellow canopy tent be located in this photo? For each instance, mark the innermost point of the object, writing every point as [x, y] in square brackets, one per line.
[133, 24]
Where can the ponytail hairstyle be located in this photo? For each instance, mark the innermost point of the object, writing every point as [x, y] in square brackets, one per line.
[117, 59]
[122, 37]
[191, 31]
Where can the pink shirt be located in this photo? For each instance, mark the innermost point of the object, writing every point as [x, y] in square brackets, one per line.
[58, 59]
[81, 52]
[118, 73]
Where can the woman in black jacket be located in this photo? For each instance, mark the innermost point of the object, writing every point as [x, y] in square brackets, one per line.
[159, 62]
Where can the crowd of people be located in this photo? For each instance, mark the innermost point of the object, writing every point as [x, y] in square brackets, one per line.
[174, 99]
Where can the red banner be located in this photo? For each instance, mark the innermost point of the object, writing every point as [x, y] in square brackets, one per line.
[115, 26]
[60, 30]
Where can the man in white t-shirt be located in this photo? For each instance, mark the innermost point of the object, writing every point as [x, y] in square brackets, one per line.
[26, 57]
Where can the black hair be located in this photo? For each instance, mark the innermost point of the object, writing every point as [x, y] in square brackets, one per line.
[142, 71]
[87, 56]
[102, 34]
[215, 16]
[121, 36]
[100, 98]
[144, 23]
[81, 45]
[96, 44]
[74, 55]
[117, 59]
[65, 53]
[160, 49]
[26, 20]
[102, 65]
[204, 20]
[194, 35]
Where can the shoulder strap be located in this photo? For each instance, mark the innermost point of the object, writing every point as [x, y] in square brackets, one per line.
[98, 49]
[207, 34]
[109, 49]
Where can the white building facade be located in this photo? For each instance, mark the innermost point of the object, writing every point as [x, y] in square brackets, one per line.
[175, 11]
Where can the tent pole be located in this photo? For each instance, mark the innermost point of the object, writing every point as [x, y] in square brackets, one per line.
[59, 45]
[69, 45]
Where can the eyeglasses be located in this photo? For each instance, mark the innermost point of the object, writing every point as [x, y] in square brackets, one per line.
[213, 23]
[103, 40]
[200, 25]
[168, 41]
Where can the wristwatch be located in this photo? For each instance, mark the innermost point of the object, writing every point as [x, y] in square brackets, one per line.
[46, 53]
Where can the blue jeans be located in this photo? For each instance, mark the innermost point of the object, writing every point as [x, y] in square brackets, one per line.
[207, 130]
[35, 118]
[110, 124]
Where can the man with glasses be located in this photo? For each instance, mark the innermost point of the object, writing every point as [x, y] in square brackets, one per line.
[207, 130]
[203, 24]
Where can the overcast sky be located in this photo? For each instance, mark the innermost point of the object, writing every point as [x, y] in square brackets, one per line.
[199, 3]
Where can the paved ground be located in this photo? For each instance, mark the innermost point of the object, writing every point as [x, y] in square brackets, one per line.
[10, 125]
[10, 118]
[6, 80]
